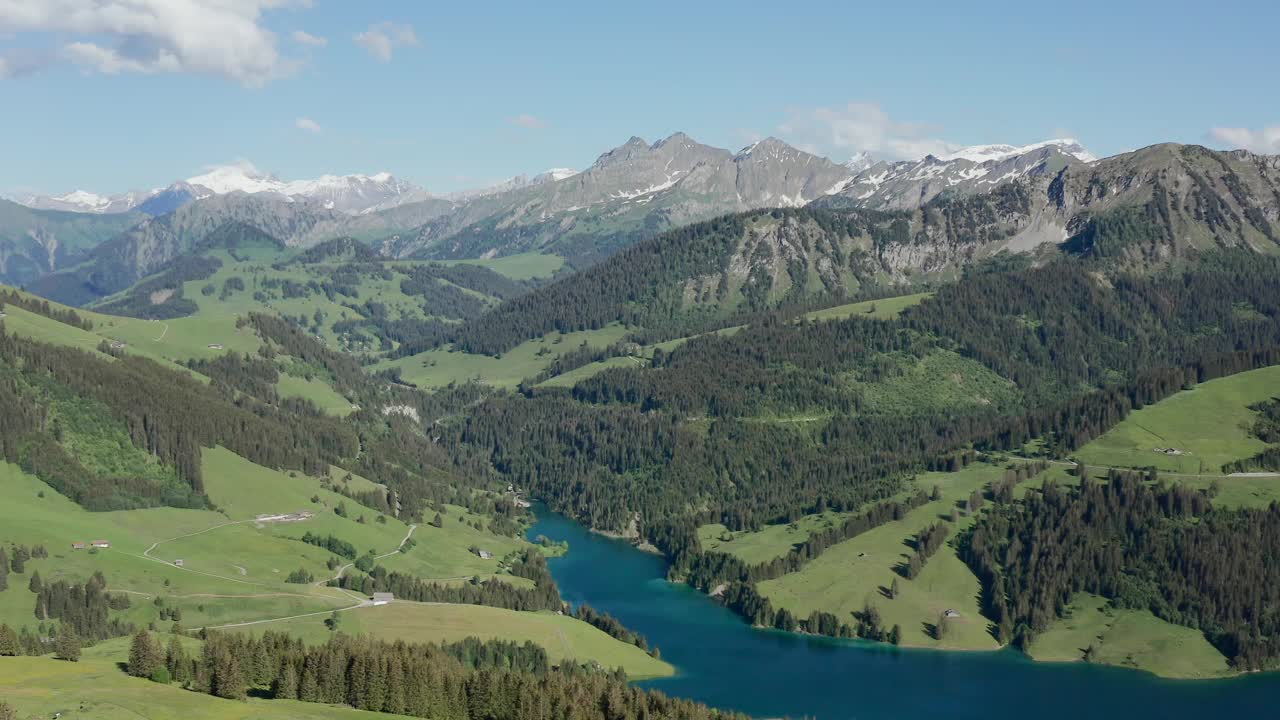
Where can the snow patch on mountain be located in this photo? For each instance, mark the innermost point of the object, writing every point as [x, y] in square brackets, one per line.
[240, 176]
[987, 153]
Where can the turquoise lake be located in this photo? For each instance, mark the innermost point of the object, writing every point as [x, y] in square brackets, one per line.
[724, 662]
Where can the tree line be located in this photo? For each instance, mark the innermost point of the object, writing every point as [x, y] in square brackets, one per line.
[1142, 544]
[465, 681]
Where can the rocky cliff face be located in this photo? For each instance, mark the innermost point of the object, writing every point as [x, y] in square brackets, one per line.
[1143, 206]
[36, 242]
[1134, 211]
[630, 192]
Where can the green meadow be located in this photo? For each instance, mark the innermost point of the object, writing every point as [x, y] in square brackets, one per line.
[522, 266]
[769, 542]
[443, 366]
[858, 572]
[883, 309]
[97, 689]
[233, 565]
[1208, 424]
[1130, 638]
[564, 637]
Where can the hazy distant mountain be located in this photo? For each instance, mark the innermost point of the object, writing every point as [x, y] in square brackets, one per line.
[85, 202]
[630, 192]
[148, 245]
[351, 194]
[36, 242]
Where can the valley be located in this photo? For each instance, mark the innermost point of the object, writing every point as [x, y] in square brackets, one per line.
[1009, 410]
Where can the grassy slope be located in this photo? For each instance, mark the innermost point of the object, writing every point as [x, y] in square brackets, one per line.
[96, 688]
[561, 635]
[886, 308]
[1233, 492]
[1132, 638]
[243, 490]
[851, 574]
[1209, 422]
[234, 570]
[437, 368]
[56, 522]
[767, 543]
[105, 327]
[524, 266]
[940, 381]
[315, 390]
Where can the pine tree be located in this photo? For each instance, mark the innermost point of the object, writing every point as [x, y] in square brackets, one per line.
[4, 571]
[285, 685]
[144, 657]
[228, 679]
[895, 634]
[175, 659]
[940, 630]
[67, 646]
[18, 563]
[9, 644]
[893, 589]
[438, 520]
[36, 584]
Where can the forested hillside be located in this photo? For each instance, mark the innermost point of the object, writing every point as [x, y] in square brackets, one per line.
[1134, 212]
[778, 418]
[339, 290]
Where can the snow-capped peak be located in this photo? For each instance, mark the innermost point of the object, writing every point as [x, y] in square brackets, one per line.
[84, 198]
[561, 173]
[238, 176]
[987, 153]
[860, 161]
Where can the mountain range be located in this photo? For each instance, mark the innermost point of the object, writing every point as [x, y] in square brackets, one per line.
[1057, 191]
[345, 193]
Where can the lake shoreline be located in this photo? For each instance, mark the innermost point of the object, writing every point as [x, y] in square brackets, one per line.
[724, 662]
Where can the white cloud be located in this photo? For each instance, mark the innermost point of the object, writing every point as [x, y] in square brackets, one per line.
[212, 37]
[1265, 141]
[305, 38]
[525, 120]
[382, 39]
[858, 127]
[307, 124]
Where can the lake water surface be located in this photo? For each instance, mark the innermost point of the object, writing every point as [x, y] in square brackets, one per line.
[726, 663]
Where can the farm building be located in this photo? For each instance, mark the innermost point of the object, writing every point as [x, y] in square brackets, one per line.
[100, 544]
[177, 563]
[78, 546]
[383, 598]
[951, 613]
[117, 345]
[215, 346]
[484, 554]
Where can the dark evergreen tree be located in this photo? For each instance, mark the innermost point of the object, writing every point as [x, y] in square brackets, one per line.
[144, 656]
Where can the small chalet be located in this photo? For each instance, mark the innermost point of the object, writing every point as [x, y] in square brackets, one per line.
[100, 544]
[78, 546]
[951, 613]
[383, 598]
[484, 554]
[215, 346]
[177, 563]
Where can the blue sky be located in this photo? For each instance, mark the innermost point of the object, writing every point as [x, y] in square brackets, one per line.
[108, 95]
